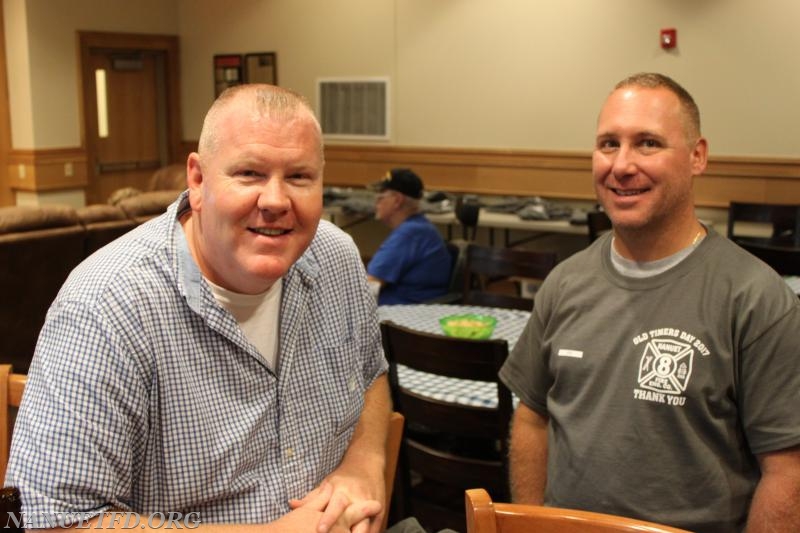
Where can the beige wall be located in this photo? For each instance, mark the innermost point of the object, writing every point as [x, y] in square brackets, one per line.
[465, 73]
[19, 73]
[42, 56]
[312, 38]
[518, 74]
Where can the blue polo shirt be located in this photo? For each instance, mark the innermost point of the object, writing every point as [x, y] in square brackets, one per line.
[413, 262]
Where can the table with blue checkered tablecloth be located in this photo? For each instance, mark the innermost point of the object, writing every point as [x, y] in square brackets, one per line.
[425, 318]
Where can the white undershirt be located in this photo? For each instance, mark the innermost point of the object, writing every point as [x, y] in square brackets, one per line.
[257, 315]
[646, 269]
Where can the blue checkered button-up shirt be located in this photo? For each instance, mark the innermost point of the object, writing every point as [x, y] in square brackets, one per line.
[144, 393]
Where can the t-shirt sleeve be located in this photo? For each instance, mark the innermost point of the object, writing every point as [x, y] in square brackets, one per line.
[770, 384]
[526, 370]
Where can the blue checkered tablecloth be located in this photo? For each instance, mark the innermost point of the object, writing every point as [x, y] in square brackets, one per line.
[424, 317]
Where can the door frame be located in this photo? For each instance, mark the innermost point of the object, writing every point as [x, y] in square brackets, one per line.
[168, 44]
[6, 193]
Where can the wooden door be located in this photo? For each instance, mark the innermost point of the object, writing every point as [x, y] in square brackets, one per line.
[128, 147]
[130, 108]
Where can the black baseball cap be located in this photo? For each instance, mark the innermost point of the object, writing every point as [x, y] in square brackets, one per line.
[402, 180]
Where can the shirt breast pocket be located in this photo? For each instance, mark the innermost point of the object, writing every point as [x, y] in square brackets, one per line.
[345, 386]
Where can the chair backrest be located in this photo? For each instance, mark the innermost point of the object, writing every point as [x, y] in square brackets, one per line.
[597, 222]
[785, 220]
[484, 516]
[103, 223]
[448, 445]
[11, 388]
[485, 265]
[458, 253]
[393, 441]
[144, 206]
[168, 178]
[785, 260]
[468, 212]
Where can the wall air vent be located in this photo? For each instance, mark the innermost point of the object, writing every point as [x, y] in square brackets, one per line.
[354, 108]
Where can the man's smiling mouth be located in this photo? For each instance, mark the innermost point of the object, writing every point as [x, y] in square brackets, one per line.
[270, 232]
[628, 192]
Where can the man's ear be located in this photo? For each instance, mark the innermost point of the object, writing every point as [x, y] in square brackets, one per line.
[194, 180]
[699, 156]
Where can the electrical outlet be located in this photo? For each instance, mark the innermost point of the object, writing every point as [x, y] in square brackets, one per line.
[68, 170]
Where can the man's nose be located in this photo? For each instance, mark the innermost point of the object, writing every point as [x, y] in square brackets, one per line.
[624, 163]
[273, 195]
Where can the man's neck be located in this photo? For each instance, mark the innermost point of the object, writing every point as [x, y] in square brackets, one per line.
[643, 246]
[400, 217]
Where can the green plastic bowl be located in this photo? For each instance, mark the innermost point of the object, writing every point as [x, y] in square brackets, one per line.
[468, 326]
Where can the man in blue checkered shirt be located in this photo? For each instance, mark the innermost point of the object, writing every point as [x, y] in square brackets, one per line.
[222, 359]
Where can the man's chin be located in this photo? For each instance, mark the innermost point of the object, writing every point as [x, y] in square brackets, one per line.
[626, 221]
[270, 273]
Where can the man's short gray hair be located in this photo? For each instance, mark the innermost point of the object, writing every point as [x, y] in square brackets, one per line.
[269, 101]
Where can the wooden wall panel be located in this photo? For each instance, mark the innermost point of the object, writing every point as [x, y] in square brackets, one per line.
[551, 174]
[47, 170]
[547, 174]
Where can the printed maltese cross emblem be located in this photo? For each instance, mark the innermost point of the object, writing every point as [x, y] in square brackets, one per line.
[666, 366]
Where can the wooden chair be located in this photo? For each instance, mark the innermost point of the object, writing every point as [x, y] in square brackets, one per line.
[467, 212]
[11, 388]
[393, 442]
[484, 516]
[458, 253]
[447, 447]
[598, 223]
[486, 265]
[784, 219]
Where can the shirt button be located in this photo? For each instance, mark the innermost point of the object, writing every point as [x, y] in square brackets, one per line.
[289, 453]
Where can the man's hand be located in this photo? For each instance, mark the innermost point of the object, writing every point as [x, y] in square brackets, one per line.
[305, 517]
[350, 503]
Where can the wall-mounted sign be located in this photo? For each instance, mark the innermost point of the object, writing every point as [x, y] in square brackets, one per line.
[227, 72]
[261, 68]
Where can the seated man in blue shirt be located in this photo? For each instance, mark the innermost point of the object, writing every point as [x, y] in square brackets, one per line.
[412, 264]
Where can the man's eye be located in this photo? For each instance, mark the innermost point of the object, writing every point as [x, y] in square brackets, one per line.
[248, 173]
[650, 143]
[607, 145]
[299, 176]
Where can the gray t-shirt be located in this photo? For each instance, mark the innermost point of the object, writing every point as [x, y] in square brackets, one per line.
[660, 390]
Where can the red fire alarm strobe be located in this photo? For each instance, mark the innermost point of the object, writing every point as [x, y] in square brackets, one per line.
[669, 38]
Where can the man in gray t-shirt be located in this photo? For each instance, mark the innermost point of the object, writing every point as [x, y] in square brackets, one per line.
[659, 373]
